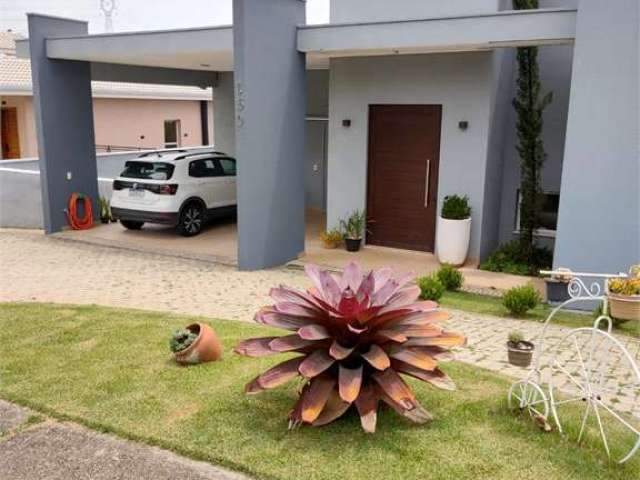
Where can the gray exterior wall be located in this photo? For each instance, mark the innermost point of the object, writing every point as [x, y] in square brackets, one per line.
[376, 10]
[224, 127]
[461, 83]
[599, 219]
[64, 119]
[270, 97]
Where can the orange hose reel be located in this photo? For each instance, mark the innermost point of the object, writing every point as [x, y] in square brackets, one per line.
[86, 221]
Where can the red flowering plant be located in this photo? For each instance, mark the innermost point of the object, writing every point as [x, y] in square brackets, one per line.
[355, 336]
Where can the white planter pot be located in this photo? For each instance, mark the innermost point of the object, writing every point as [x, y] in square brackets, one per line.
[452, 240]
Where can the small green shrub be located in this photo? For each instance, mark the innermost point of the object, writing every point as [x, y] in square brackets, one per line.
[430, 288]
[450, 277]
[456, 207]
[519, 300]
[510, 259]
[181, 339]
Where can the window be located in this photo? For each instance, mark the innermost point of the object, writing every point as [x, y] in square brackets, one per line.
[148, 170]
[549, 203]
[206, 167]
[228, 166]
[171, 133]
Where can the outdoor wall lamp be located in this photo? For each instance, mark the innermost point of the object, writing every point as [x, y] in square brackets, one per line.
[463, 125]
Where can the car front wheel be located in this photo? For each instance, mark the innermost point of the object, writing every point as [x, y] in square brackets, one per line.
[131, 225]
[191, 220]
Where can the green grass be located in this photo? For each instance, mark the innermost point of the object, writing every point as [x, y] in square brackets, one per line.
[110, 369]
[472, 302]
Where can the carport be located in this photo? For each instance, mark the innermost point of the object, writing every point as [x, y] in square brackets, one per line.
[268, 130]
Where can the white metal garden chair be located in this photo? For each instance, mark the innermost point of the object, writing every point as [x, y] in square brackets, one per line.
[588, 368]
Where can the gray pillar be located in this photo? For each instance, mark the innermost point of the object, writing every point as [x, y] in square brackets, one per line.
[224, 114]
[64, 120]
[270, 88]
[599, 216]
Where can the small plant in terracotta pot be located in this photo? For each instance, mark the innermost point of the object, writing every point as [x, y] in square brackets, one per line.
[520, 352]
[197, 343]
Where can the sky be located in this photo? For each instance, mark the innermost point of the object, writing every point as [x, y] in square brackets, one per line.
[137, 14]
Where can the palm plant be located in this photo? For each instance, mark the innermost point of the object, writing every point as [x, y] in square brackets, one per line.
[354, 335]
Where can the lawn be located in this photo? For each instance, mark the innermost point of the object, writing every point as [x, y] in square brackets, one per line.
[488, 305]
[110, 369]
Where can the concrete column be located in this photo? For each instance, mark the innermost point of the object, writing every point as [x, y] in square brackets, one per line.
[270, 95]
[599, 216]
[64, 120]
[224, 114]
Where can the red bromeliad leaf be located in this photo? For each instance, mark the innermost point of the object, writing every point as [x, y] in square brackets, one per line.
[367, 405]
[447, 339]
[314, 332]
[334, 408]
[316, 396]
[350, 380]
[256, 347]
[377, 358]
[315, 363]
[395, 388]
[288, 343]
[339, 352]
[356, 335]
[413, 356]
[276, 376]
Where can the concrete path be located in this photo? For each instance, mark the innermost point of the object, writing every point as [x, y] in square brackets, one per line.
[64, 451]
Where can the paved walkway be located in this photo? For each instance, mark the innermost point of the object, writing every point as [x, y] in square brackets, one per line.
[36, 268]
[64, 451]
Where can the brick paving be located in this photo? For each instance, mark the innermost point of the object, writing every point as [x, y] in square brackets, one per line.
[37, 268]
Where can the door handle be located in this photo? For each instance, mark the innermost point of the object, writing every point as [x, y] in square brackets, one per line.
[426, 186]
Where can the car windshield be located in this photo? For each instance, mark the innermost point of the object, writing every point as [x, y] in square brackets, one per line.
[148, 170]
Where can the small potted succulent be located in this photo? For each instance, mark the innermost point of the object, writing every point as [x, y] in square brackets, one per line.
[624, 296]
[197, 343]
[453, 231]
[332, 238]
[520, 352]
[353, 229]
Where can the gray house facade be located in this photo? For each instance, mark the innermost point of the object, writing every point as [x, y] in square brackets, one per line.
[402, 106]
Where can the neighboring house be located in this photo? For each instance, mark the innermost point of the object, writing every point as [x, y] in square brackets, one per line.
[418, 99]
[127, 116]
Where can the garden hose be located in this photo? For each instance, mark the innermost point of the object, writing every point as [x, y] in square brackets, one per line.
[75, 222]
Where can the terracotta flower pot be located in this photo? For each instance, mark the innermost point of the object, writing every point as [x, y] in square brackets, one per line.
[518, 356]
[624, 307]
[206, 348]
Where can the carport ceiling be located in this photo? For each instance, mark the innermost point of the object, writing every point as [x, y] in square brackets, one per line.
[211, 48]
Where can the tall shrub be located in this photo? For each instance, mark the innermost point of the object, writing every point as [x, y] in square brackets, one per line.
[529, 105]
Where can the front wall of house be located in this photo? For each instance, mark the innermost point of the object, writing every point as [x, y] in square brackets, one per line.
[460, 82]
[376, 10]
[26, 124]
[123, 122]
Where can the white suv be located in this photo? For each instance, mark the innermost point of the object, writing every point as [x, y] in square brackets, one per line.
[175, 188]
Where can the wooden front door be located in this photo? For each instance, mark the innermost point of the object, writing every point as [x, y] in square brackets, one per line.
[404, 154]
[10, 140]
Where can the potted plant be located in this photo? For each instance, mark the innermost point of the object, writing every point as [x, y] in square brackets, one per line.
[624, 296]
[454, 230]
[197, 343]
[520, 352]
[332, 238]
[353, 228]
[105, 209]
[556, 286]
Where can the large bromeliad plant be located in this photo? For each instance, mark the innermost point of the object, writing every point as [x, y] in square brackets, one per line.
[354, 335]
